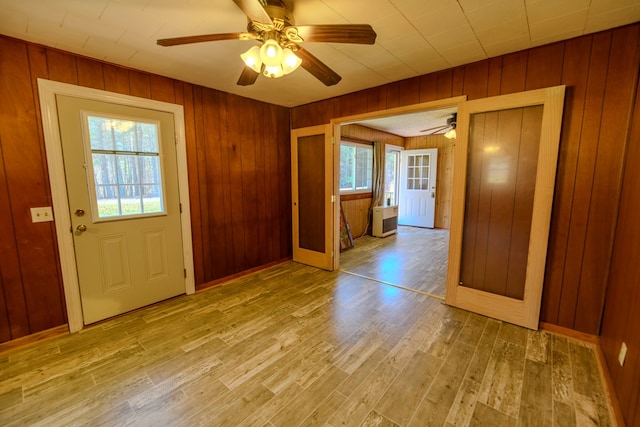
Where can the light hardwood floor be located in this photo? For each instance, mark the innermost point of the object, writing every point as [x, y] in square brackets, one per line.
[414, 258]
[294, 345]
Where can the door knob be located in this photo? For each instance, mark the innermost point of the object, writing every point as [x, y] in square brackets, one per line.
[81, 228]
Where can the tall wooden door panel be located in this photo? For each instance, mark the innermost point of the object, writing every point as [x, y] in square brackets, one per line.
[312, 196]
[504, 176]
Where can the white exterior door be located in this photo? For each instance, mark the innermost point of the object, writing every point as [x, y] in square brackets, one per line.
[122, 182]
[418, 187]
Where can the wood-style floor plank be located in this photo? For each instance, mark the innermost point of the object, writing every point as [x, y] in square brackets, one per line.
[298, 346]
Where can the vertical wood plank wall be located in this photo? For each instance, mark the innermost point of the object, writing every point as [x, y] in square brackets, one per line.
[444, 179]
[239, 178]
[622, 310]
[600, 71]
[356, 209]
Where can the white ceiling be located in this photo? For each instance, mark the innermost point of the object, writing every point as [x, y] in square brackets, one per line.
[415, 37]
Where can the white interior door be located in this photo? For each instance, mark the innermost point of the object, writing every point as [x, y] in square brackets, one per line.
[122, 182]
[418, 187]
[312, 193]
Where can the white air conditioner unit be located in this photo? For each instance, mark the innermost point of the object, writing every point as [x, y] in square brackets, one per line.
[385, 221]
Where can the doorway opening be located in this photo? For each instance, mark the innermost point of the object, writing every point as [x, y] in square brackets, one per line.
[415, 256]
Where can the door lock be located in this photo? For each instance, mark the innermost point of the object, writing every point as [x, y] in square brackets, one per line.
[79, 212]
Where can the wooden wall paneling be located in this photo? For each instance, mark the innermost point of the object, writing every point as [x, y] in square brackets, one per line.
[38, 67]
[184, 97]
[225, 140]
[476, 80]
[116, 79]
[23, 164]
[457, 82]
[409, 91]
[503, 197]
[376, 98]
[234, 122]
[62, 66]
[622, 76]
[5, 325]
[219, 242]
[544, 66]
[582, 191]
[250, 133]
[514, 72]
[304, 115]
[444, 84]
[14, 307]
[270, 193]
[200, 149]
[494, 77]
[90, 73]
[284, 187]
[356, 213]
[162, 88]
[574, 75]
[428, 87]
[140, 84]
[393, 93]
[621, 315]
[351, 104]
[261, 185]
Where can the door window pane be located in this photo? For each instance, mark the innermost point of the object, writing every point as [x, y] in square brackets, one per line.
[418, 172]
[127, 174]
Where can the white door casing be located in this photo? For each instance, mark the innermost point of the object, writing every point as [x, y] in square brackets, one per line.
[48, 90]
[417, 201]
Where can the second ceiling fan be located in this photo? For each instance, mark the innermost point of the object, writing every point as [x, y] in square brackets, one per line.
[273, 25]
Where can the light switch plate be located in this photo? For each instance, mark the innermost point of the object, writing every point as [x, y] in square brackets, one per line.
[43, 214]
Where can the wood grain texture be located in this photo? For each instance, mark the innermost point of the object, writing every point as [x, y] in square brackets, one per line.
[296, 346]
[30, 278]
[621, 314]
[574, 290]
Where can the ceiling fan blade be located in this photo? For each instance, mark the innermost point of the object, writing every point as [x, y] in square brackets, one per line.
[254, 10]
[203, 38]
[248, 77]
[435, 129]
[318, 68]
[347, 33]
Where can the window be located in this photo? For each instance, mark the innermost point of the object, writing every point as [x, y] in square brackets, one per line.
[356, 167]
[418, 172]
[391, 167]
[124, 168]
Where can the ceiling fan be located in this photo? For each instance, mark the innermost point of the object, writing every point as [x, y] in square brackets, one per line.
[450, 128]
[273, 25]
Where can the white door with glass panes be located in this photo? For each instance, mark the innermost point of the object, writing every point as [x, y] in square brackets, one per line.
[122, 182]
[418, 187]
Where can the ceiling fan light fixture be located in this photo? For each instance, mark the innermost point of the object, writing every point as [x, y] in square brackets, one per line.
[251, 58]
[290, 61]
[273, 71]
[271, 53]
[451, 134]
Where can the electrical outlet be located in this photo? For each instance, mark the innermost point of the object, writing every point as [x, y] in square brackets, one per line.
[43, 214]
[623, 353]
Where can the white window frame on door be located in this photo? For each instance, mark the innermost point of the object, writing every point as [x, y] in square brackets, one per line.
[48, 90]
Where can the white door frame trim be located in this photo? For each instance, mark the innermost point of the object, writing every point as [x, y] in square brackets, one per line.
[53, 145]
